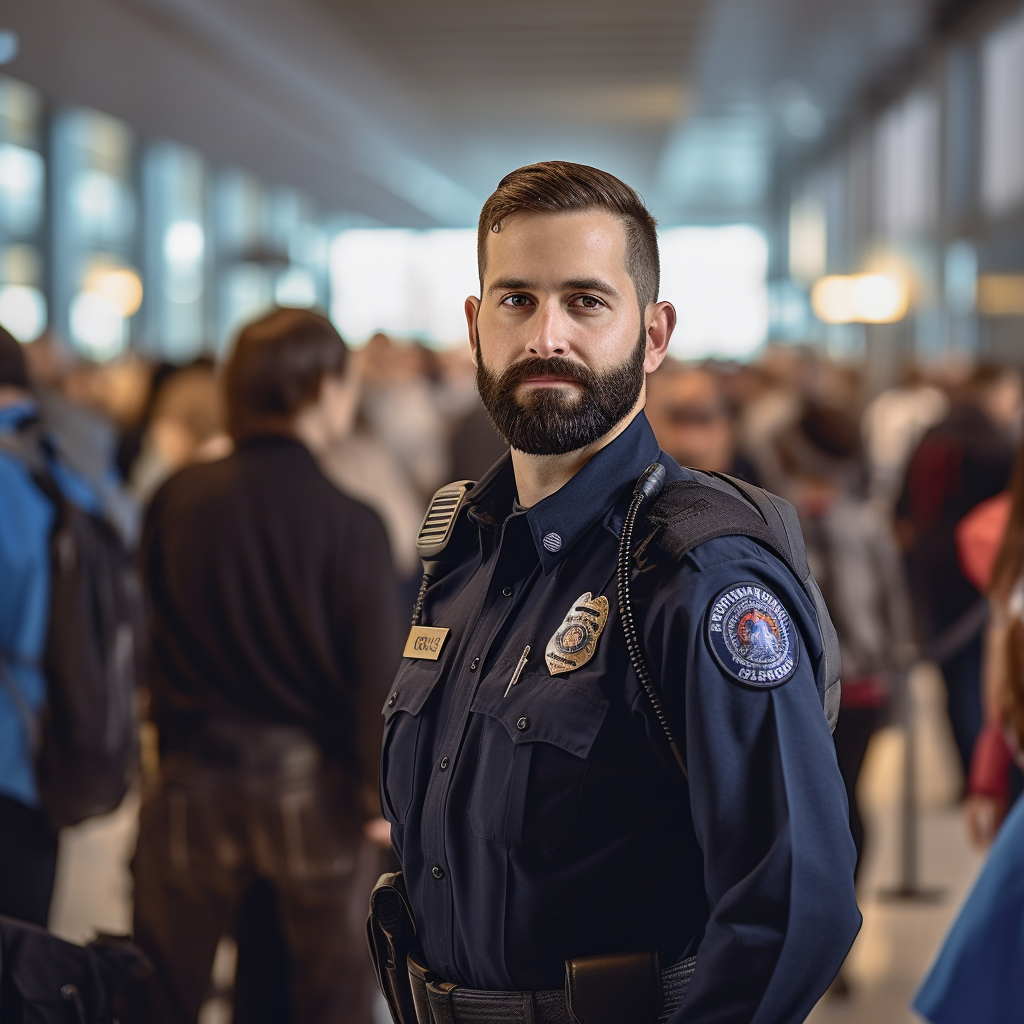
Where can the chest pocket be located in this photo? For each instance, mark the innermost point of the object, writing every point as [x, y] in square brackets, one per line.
[403, 719]
[531, 761]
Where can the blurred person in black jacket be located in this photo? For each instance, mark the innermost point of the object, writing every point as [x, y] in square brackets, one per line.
[274, 637]
[965, 459]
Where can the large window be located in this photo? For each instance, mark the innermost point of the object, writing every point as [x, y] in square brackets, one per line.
[716, 277]
[413, 284]
[23, 309]
[174, 186]
[97, 289]
[270, 249]
[906, 167]
[1002, 135]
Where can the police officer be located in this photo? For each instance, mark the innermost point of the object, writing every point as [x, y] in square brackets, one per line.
[555, 860]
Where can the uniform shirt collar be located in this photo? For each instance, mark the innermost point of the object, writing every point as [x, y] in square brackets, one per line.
[591, 496]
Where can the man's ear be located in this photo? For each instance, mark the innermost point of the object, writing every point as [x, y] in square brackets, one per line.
[472, 312]
[661, 322]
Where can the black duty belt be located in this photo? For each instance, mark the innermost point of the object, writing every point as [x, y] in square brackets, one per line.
[439, 1002]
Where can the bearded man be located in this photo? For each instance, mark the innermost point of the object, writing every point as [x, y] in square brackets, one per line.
[613, 799]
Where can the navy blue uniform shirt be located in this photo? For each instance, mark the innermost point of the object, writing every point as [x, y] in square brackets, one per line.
[548, 824]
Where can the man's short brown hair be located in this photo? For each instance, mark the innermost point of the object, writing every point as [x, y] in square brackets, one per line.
[557, 186]
[276, 368]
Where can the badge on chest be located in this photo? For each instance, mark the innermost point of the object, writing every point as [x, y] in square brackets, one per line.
[575, 640]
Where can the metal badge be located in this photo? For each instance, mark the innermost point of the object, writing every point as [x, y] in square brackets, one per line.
[575, 640]
[425, 642]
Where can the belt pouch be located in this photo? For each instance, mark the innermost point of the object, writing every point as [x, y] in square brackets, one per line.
[418, 978]
[621, 988]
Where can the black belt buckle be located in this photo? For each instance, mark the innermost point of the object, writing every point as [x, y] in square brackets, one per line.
[620, 988]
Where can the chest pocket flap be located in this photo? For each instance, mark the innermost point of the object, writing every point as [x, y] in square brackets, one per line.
[413, 685]
[540, 710]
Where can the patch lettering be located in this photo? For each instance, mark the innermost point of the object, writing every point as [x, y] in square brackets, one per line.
[752, 636]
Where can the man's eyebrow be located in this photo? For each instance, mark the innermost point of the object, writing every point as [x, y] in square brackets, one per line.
[591, 284]
[504, 284]
[583, 284]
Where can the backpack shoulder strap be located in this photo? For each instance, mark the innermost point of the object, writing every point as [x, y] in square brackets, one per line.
[691, 512]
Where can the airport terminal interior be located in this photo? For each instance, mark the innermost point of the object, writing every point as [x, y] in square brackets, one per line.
[839, 190]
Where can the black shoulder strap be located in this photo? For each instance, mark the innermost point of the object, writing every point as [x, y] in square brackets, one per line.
[690, 512]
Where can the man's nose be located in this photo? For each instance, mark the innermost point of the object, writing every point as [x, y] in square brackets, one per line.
[549, 337]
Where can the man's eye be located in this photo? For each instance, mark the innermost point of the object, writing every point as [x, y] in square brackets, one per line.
[588, 302]
[516, 300]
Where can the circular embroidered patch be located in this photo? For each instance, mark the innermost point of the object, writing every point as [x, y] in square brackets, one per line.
[752, 635]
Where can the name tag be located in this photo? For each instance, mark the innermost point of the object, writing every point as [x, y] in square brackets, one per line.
[425, 642]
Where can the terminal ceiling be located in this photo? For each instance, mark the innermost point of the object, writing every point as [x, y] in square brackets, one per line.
[407, 112]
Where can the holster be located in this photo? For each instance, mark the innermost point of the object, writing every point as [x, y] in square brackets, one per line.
[391, 935]
[620, 988]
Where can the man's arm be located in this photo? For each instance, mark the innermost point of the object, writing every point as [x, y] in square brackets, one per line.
[768, 803]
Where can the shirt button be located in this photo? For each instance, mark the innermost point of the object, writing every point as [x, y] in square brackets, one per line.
[444, 764]
[523, 724]
[473, 664]
[507, 592]
[392, 699]
[437, 871]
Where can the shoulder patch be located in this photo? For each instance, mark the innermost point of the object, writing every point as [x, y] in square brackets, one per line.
[752, 636]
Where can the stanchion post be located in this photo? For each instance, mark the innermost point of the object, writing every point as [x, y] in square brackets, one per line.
[908, 886]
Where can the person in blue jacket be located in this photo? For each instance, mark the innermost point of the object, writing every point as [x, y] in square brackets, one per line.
[535, 821]
[28, 844]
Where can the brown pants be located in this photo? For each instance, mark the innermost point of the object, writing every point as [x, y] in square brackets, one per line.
[206, 834]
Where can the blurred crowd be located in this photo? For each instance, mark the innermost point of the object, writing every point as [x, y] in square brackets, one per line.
[883, 483]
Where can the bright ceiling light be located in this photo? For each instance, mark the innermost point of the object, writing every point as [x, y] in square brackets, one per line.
[879, 298]
[121, 287]
[184, 242]
[832, 299]
[860, 298]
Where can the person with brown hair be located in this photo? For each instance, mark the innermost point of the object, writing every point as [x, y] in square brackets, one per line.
[610, 781]
[273, 635]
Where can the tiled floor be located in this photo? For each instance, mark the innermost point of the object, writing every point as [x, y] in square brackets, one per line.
[888, 959]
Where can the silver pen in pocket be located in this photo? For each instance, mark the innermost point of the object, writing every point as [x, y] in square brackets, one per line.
[519, 670]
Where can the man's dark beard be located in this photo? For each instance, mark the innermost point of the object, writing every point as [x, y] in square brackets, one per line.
[550, 422]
